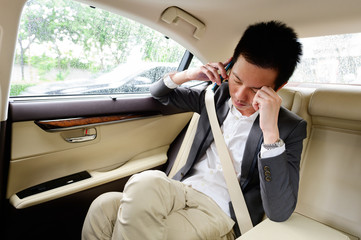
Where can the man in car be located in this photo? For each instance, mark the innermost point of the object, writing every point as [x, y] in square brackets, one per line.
[264, 141]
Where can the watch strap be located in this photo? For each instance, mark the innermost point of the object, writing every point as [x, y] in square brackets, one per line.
[278, 143]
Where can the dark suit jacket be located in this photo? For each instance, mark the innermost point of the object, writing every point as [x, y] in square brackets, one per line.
[275, 195]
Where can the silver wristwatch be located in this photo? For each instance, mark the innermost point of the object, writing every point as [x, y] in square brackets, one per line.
[278, 143]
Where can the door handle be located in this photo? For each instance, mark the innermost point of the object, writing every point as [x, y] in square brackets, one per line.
[87, 136]
[81, 139]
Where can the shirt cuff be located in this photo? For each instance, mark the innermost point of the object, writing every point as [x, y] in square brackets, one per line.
[169, 82]
[265, 153]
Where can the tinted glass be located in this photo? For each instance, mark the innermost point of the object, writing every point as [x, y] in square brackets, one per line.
[68, 48]
[330, 59]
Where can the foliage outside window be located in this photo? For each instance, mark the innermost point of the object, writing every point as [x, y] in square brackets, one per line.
[64, 43]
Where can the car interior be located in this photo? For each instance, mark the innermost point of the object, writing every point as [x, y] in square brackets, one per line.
[58, 153]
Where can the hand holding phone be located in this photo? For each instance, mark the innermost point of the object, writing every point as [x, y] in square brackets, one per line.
[214, 72]
[227, 68]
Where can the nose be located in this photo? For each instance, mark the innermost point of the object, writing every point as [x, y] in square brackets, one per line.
[241, 94]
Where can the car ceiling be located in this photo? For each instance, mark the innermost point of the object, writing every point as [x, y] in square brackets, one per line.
[227, 19]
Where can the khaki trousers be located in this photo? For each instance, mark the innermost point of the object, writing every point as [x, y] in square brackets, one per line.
[153, 206]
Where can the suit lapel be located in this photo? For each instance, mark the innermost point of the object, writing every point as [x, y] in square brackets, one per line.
[250, 149]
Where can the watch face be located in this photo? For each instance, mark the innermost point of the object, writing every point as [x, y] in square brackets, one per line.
[280, 142]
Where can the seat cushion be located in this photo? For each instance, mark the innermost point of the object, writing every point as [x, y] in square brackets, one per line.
[297, 227]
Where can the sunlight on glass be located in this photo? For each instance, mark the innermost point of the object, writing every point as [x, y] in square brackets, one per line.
[330, 59]
[65, 47]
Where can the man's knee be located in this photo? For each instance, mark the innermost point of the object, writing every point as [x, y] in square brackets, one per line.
[107, 203]
[148, 177]
[101, 216]
[146, 182]
[148, 192]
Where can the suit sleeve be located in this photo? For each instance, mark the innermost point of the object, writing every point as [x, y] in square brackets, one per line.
[184, 98]
[279, 176]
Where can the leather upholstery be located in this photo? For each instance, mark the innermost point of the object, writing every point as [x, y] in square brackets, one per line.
[297, 227]
[330, 183]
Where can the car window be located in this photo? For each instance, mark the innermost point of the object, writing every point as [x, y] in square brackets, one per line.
[332, 59]
[193, 64]
[68, 48]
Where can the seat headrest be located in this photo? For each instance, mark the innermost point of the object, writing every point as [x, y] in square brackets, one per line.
[287, 96]
[339, 103]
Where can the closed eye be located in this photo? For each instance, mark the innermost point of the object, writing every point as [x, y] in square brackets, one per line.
[255, 90]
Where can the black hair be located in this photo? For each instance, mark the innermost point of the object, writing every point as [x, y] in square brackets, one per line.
[271, 45]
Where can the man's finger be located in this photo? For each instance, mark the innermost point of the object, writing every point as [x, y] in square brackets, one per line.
[227, 62]
[215, 68]
[211, 72]
[255, 103]
[222, 70]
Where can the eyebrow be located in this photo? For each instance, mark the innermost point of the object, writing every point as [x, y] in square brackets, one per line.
[242, 81]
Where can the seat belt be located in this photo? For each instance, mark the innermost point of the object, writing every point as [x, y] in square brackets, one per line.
[185, 148]
[234, 189]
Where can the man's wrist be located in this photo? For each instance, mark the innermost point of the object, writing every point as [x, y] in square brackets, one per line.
[272, 152]
[271, 136]
[179, 77]
[168, 81]
[277, 144]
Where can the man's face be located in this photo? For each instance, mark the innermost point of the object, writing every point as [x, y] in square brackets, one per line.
[245, 80]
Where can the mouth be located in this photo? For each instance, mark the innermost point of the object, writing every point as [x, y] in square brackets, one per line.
[238, 104]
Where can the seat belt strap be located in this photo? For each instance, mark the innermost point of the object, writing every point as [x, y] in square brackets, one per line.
[185, 148]
[234, 189]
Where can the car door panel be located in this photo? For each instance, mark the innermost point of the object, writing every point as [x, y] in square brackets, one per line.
[61, 218]
[121, 148]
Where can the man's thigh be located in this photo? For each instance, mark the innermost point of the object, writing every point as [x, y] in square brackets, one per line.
[203, 216]
[180, 227]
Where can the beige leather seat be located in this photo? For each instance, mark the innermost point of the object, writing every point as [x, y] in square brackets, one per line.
[330, 186]
[297, 227]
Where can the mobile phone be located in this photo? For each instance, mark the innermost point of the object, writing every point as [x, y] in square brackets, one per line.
[228, 68]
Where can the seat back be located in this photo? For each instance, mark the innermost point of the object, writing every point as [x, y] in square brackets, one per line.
[330, 183]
